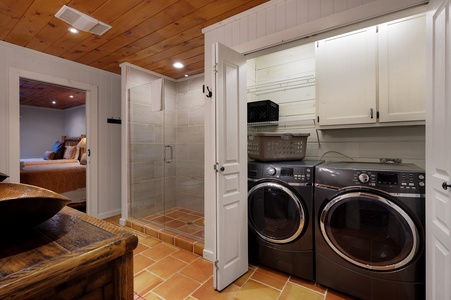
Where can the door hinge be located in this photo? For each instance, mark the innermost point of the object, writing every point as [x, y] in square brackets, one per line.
[377, 29]
[317, 119]
[217, 264]
[377, 114]
[216, 167]
[215, 68]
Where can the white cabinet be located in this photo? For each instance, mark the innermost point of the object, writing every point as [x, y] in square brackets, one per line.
[373, 76]
[402, 69]
[346, 78]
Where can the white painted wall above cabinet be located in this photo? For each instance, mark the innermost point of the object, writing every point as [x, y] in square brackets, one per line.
[372, 77]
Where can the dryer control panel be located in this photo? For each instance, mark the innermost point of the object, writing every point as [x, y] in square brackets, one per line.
[402, 178]
[397, 181]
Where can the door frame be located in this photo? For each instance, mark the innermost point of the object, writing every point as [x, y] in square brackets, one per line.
[91, 128]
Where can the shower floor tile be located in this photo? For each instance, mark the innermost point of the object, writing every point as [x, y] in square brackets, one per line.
[180, 227]
[184, 221]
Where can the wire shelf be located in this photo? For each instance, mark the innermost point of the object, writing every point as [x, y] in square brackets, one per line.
[309, 122]
[282, 85]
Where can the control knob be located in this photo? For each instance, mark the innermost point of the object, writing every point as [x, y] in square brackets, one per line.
[364, 178]
[271, 171]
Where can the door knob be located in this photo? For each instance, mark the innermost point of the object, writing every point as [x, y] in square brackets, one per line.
[445, 186]
[222, 169]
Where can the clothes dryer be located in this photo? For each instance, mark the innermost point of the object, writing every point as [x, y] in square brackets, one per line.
[369, 231]
[280, 207]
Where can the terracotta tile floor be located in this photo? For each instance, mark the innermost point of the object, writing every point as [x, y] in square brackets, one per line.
[164, 271]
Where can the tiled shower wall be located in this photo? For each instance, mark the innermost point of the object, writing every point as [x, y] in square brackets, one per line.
[190, 144]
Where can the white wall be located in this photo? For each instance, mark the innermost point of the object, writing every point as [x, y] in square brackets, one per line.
[40, 128]
[108, 91]
[75, 121]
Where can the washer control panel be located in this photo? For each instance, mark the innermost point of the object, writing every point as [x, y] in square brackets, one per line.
[291, 172]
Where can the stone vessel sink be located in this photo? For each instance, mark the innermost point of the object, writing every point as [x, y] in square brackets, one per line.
[23, 205]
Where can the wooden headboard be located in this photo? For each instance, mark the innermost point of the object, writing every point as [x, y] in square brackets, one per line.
[72, 140]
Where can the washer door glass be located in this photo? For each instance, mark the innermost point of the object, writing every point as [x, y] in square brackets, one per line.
[276, 213]
[369, 230]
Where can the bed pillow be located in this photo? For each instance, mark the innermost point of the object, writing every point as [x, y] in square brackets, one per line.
[71, 152]
[49, 155]
[58, 148]
[76, 153]
[83, 159]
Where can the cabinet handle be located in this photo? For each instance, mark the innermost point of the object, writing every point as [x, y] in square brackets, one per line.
[445, 186]
[371, 113]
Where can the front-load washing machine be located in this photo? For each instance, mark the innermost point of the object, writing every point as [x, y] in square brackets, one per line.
[280, 207]
[369, 231]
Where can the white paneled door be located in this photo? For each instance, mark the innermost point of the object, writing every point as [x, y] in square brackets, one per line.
[231, 156]
[438, 152]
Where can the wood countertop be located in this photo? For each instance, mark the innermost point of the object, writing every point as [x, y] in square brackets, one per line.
[67, 246]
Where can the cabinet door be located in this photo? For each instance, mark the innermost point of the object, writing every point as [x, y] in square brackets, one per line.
[402, 56]
[346, 78]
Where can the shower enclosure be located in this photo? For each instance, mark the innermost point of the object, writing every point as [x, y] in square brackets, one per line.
[165, 163]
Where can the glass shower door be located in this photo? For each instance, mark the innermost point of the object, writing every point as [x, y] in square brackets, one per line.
[151, 157]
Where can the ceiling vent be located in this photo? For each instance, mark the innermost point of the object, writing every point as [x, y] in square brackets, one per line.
[82, 21]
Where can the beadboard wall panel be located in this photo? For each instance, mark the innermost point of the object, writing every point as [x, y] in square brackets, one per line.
[108, 105]
[277, 22]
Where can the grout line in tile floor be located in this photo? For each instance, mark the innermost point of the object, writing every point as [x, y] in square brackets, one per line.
[165, 271]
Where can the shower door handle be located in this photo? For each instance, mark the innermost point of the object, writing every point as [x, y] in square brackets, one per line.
[168, 160]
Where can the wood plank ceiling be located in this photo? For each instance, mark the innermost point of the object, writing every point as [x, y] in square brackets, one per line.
[152, 34]
[41, 94]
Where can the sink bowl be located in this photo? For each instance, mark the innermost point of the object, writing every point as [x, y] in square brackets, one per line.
[23, 205]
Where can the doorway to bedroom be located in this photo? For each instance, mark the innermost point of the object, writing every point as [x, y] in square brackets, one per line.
[90, 117]
[53, 139]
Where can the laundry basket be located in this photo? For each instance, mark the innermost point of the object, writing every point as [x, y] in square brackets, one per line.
[272, 146]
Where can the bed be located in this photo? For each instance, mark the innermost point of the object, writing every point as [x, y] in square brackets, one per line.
[64, 174]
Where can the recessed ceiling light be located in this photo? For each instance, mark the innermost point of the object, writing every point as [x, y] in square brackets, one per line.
[53, 102]
[186, 75]
[71, 96]
[73, 30]
[178, 65]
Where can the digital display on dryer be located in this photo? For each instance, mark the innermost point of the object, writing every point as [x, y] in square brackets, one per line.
[286, 172]
[387, 178]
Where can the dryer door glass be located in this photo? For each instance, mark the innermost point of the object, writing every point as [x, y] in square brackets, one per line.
[369, 230]
[276, 213]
